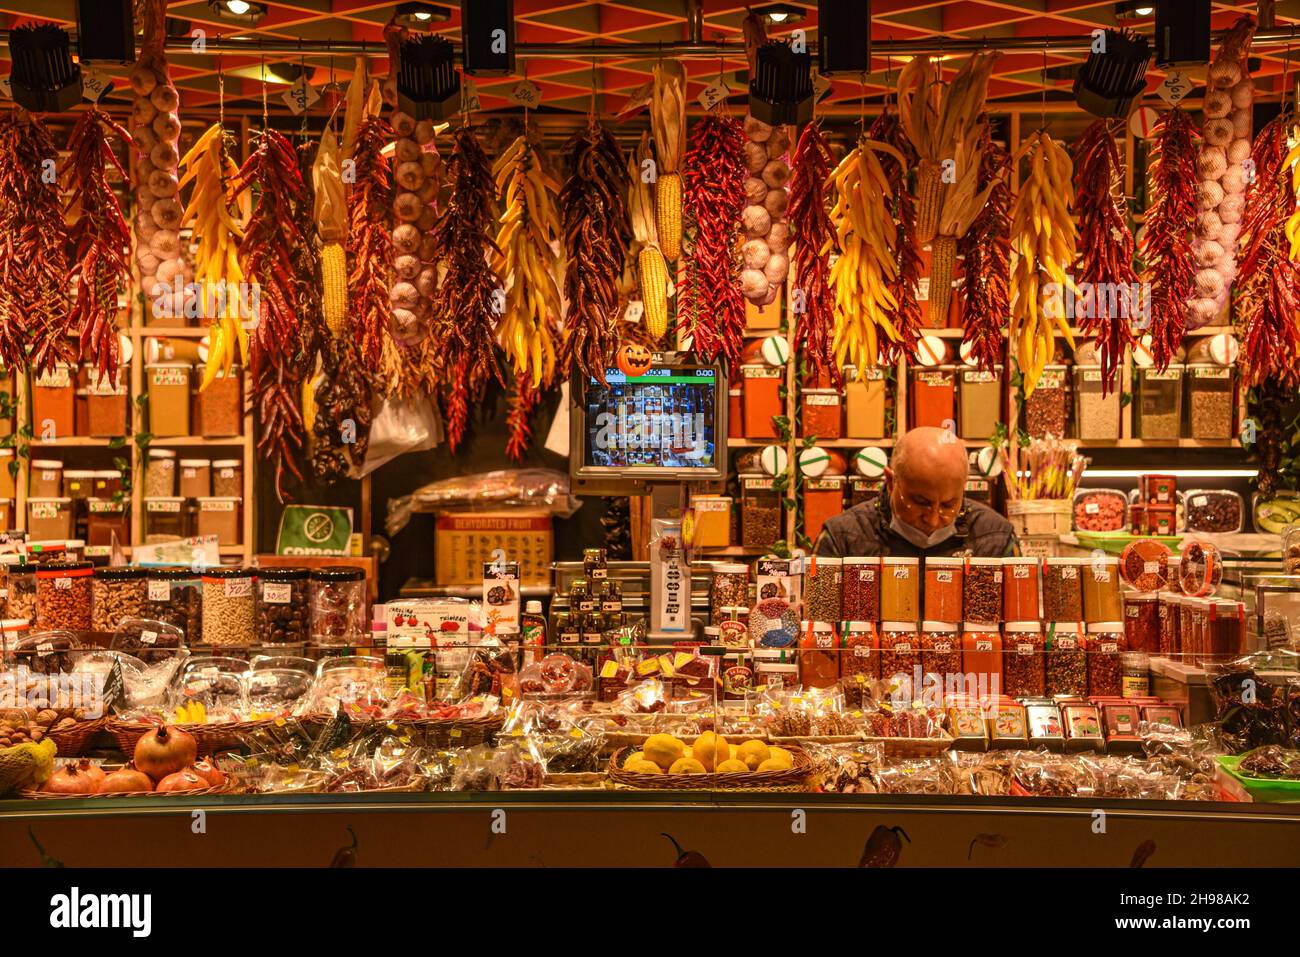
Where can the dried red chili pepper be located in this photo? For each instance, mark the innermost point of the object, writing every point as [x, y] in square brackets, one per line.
[370, 248]
[986, 248]
[814, 302]
[711, 308]
[889, 130]
[524, 401]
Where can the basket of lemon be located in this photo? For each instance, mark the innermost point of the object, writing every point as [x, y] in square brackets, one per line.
[710, 763]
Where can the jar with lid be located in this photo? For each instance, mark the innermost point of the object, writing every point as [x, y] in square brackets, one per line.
[160, 474]
[78, 484]
[7, 483]
[728, 587]
[117, 593]
[282, 605]
[1067, 661]
[865, 397]
[932, 396]
[1104, 646]
[49, 519]
[1101, 599]
[610, 598]
[943, 589]
[221, 412]
[175, 597]
[900, 651]
[775, 668]
[165, 520]
[338, 605]
[20, 583]
[862, 589]
[1047, 409]
[735, 410]
[819, 655]
[54, 400]
[821, 413]
[982, 590]
[863, 489]
[1211, 401]
[45, 479]
[979, 402]
[105, 520]
[108, 482]
[859, 661]
[1142, 621]
[760, 511]
[1170, 633]
[106, 405]
[712, 521]
[227, 478]
[1158, 402]
[1097, 412]
[900, 589]
[1226, 629]
[219, 517]
[823, 499]
[981, 658]
[1020, 589]
[229, 607]
[1023, 675]
[168, 385]
[1136, 674]
[762, 399]
[824, 591]
[196, 478]
[1192, 618]
[63, 596]
[940, 649]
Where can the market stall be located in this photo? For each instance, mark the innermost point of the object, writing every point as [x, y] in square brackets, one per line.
[401, 436]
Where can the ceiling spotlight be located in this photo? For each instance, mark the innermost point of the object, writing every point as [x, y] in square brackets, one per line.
[421, 14]
[780, 13]
[240, 11]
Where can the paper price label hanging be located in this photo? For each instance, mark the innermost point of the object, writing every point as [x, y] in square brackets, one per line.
[300, 96]
[640, 97]
[634, 311]
[6, 91]
[93, 83]
[713, 94]
[1175, 87]
[469, 101]
[526, 93]
[820, 84]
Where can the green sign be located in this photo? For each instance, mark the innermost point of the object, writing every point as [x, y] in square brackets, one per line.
[314, 530]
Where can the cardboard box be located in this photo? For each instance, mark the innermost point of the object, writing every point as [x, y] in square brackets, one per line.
[465, 540]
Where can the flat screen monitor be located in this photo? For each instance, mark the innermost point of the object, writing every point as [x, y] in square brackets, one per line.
[667, 424]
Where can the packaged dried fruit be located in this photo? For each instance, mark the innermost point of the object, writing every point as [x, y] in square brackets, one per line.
[1144, 564]
[1200, 570]
[1100, 510]
[1214, 510]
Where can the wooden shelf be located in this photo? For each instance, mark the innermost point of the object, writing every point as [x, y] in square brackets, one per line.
[76, 441]
[169, 332]
[733, 551]
[751, 443]
[183, 441]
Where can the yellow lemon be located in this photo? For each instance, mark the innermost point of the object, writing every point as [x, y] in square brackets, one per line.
[782, 755]
[773, 764]
[662, 749]
[634, 756]
[643, 767]
[686, 766]
[710, 749]
[753, 753]
[732, 764]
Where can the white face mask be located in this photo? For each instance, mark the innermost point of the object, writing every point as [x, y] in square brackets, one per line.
[918, 537]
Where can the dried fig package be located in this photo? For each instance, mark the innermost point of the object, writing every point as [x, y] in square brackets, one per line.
[501, 597]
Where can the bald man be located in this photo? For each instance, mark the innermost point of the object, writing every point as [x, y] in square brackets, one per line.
[923, 511]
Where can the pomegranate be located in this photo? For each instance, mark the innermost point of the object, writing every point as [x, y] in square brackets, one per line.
[181, 781]
[86, 766]
[126, 779]
[209, 772]
[165, 750]
[70, 780]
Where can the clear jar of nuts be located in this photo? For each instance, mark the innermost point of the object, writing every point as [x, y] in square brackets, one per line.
[282, 605]
[63, 596]
[338, 605]
[174, 596]
[117, 593]
[228, 607]
[20, 586]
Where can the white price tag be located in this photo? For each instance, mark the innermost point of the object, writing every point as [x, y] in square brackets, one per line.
[6, 91]
[634, 311]
[300, 96]
[469, 101]
[1069, 573]
[526, 93]
[1175, 87]
[821, 83]
[713, 94]
[93, 83]
[238, 587]
[276, 593]
[160, 591]
[62, 584]
[148, 637]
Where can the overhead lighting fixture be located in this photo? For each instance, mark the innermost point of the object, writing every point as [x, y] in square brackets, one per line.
[421, 14]
[1110, 81]
[487, 35]
[239, 11]
[1134, 10]
[44, 78]
[428, 86]
[780, 13]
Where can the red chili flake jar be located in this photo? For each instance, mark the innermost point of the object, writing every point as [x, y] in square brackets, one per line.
[1104, 645]
[1226, 628]
[981, 656]
[1170, 636]
[859, 660]
[940, 649]
[1067, 661]
[1142, 621]
[1023, 675]
[862, 589]
[900, 650]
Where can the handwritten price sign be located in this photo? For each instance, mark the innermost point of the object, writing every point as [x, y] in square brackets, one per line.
[469, 100]
[1176, 86]
[527, 94]
[93, 83]
[301, 95]
[714, 94]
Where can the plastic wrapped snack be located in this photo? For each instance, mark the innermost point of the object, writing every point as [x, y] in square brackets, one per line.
[508, 488]
[147, 639]
[355, 682]
[210, 689]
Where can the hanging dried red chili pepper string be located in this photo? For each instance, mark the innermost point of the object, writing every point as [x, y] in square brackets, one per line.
[524, 400]
[907, 320]
[986, 248]
[814, 236]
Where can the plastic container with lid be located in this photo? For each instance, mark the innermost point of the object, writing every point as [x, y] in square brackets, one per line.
[1100, 510]
[943, 589]
[1067, 660]
[1020, 589]
[107, 400]
[1047, 409]
[175, 596]
[762, 399]
[932, 397]
[1023, 674]
[63, 596]
[78, 483]
[1158, 402]
[54, 398]
[862, 589]
[859, 660]
[822, 413]
[227, 478]
[165, 520]
[1142, 621]
[775, 667]
[220, 517]
[1214, 510]
[195, 478]
[823, 594]
[1063, 589]
[7, 485]
[1191, 619]
[1211, 401]
[979, 402]
[1170, 640]
[865, 397]
[900, 589]
[106, 520]
[900, 651]
[49, 518]
[221, 412]
[823, 499]
[107, 483]
[20, 583]
[1200, 568]
[117, 593]
[735, 410]
[940, 649]
[160, 474]
[168, 385]
[982, 590]
[1101, 594]
[283, 606]
[712, 521]
[338, 605]
[760, 511]
[1096, 415]
[1225, 630]
[819, 655]
[1105, 643]
[229, 607]
[728, 588]
[981, 658]
[45, 479]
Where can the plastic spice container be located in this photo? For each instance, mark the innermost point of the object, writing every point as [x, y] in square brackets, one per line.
[1104, 646]
[1170, 634]
[943, 589]
[861, 589]
[282, 605]
[1023, 675]
[46, 479]
[1101, 601]
[106, 407]
[824, 589]
[49, 518]
[760, 511]
[63, 596]
[1100, 510]
[160, 474]
[108, 482]
[981, 651]
[1020, 589]
[165, 520]
[338, 605]
[1067, 661]
[900, 650]
[7, 486]
[20, 582]
[979, 402]
[863, 489]
[221, 411]
[762, 399]
[1135, 674]
[227, 478]
[1225, 629]
[821, 412]
[982, 591]
[728, 588]
[220, 517]
[775, 667]
[900, 589]
[54, 398]
[196, 478]
[175, 596]
[229, 612]
[1142, 621]
[168, 384]
[940, 649]
[712, 521]
[117, 593]
[78, 483]
[1063, 589]
[1096, 415]
[106, 519]
[735, 411]
[823, 499]
[859, 660]
[1214, 510]
[1158, 403]
[865, 394]
[1047, 410]
[932, 396]
[819, 655]
[1210, 401]
[1192, 621]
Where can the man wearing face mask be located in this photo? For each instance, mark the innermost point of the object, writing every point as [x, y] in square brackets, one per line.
[923, 510]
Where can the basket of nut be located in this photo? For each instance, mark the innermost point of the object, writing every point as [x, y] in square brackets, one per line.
[68, 728]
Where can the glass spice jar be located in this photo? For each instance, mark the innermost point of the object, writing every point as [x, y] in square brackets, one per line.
[282, 605]
[940, 649]
[1023, 674]
[1047, 409]
[1020, 589]
[859, 661]
[1104, 646]
[117, 593]
[760, 518]
[728, 587]
[175, 597]
[1170, 645]
[338, 605]
[1067, 661]
[981, 658]
[943, 589]
[63, 596]
[160, 474]
[900, 589]
[1062, 589]
[1142, 621]
[821, 413]
[229, 610]
[227, 478]
[900, 652]
[823, 591]
[1101, 597]
[819, 655]
[982, 590]
[1135, 667]
[1226, 629]
[861, 589]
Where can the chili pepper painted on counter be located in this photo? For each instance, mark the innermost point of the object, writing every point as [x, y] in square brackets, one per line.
[1142, 853]
[986, 840]
[687, 858]
[346, 856]
[883, 847]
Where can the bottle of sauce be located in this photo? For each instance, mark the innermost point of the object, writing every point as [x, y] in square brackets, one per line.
[532, 625]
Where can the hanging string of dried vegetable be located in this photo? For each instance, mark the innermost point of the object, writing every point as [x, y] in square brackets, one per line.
[652, 270]
[668, 122]
[524, 400]
[906, 317]
[596, 235]
[267, 257]
[710, 307]
[1167, 242]
[101, 240]
[986, 248]
[814, 235]
[313, 333]
[1106, 251]
[370, 246]
[1268, 288]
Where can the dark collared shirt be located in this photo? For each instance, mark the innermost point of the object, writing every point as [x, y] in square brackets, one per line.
[864, 530]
